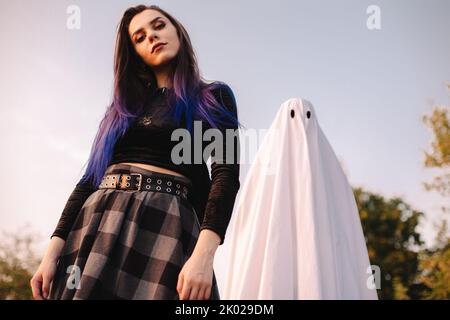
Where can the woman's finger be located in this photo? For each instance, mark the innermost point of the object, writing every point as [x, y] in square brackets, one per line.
[180, 282]
[194, 292]
[36, 286]
[185, 292]
[45, 286]
[208, 293]
[201, 293]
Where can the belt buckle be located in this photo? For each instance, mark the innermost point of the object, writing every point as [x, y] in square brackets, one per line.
[119, 180]
[140, 179]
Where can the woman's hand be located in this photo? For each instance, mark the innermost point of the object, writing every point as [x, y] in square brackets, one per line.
[195, 278]
[40, 282]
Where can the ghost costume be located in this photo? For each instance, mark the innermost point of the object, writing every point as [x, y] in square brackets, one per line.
[296, 231]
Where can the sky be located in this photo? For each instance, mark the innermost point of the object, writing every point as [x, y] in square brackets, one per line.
[369, 88]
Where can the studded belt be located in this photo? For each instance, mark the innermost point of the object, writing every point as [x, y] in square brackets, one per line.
[142, 182]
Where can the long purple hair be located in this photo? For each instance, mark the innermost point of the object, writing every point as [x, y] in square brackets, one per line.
[191, 97]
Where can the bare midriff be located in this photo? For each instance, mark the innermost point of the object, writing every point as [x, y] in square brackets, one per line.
[154, 168]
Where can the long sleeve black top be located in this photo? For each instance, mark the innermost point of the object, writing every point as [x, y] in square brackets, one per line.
[213, 197]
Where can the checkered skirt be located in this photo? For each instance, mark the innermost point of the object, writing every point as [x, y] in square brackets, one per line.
[127, 244]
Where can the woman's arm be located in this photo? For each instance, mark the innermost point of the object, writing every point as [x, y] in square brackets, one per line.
[54, 249]
[73, 205]
[224, 173]
[195, 279]
[41, 280]
[207, 243]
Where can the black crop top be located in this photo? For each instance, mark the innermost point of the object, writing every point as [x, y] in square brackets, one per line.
[148, 140]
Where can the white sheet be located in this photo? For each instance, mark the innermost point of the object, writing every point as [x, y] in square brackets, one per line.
[296, 232]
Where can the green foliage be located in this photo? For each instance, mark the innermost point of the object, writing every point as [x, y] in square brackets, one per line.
[434, 272]
[392, 241]
[439, 155]
[400, 291]
[435, 267]
[17, 265]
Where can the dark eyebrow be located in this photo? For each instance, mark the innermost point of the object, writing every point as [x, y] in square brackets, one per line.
[141, 28]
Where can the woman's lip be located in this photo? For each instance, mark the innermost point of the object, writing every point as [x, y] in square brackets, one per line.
[159, 46]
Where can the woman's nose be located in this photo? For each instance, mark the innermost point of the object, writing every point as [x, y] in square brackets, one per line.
[152, 38]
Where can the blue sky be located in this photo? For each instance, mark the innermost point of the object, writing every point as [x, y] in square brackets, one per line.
[369, 87]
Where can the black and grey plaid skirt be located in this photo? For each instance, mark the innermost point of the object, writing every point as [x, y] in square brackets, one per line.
[128, 244]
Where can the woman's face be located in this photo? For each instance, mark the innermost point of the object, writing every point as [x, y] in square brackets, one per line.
[148, 28]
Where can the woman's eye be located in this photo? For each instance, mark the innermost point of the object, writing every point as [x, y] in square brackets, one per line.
[159, 26]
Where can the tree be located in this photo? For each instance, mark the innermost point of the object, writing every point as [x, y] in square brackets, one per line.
[435, 267]
[439, 156]
[389, 227]
[18, 261]
[435, 262]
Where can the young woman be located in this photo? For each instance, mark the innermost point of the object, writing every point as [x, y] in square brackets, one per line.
[140, 225]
